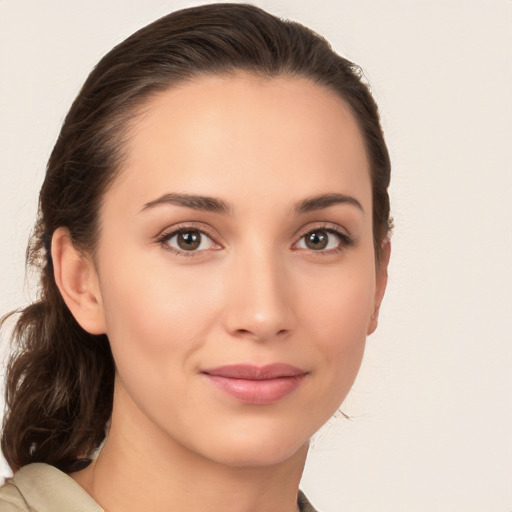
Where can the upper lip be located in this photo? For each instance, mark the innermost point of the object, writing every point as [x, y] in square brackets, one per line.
[252, 372]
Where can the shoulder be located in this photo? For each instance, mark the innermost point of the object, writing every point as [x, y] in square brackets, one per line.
[44, 488]
[11, 499]
[304, 504]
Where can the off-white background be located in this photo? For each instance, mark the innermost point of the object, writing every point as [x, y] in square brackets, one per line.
[432, 407]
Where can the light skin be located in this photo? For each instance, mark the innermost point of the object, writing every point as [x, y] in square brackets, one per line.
[269, 183]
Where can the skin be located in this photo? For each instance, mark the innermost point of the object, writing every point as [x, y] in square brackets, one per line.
[254, 292]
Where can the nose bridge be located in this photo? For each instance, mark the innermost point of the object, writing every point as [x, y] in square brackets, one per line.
[259, 291]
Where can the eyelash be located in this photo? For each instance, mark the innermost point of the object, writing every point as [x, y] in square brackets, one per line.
[164, 238]
[345, 240]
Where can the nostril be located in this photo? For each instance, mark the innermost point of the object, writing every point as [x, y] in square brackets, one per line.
[260, 334]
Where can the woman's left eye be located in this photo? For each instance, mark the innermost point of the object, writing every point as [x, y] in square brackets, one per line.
[323, 240]
[188, 240]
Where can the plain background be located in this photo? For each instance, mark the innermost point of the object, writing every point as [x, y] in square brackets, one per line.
[431, 426]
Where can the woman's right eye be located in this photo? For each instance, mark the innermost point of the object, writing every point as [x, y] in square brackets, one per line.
[189, 240]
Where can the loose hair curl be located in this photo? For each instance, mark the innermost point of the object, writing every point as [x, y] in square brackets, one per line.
[60, 378]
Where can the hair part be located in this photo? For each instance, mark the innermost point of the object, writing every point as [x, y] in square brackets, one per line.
[60, 379]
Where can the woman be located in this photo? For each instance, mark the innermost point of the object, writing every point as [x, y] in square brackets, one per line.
[213, 242]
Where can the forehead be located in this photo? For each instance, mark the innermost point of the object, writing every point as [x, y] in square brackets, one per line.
[244, 135]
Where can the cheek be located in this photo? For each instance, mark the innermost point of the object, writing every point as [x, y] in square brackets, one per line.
[155, 313]
[339, 302]
[337, 313]
[156, 324]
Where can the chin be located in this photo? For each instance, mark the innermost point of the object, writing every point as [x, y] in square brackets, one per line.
[269, 456]
[255, 449]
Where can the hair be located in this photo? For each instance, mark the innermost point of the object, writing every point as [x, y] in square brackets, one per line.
[60, 378]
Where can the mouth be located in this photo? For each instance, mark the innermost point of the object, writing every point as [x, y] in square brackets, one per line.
[254, 384]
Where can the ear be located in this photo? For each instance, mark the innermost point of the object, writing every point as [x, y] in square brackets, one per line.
[381, 282]
[77, 280]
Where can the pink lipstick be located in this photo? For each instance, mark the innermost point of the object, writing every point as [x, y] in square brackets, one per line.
[254, 384]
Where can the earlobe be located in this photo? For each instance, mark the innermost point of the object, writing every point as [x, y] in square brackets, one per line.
[77, 281]
[381, 283]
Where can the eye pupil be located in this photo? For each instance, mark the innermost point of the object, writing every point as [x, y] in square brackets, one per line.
[317, 240]
[189, 240]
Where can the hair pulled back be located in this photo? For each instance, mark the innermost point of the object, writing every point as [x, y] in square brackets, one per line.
[60, 378]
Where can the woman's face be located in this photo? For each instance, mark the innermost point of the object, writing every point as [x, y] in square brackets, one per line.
[236, 267]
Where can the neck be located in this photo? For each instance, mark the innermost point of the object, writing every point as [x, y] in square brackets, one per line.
[140, 468]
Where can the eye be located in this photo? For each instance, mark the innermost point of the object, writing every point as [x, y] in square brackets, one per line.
[191, 240]
[324, 240]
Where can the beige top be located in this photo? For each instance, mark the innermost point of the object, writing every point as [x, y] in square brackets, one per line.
[44, 488]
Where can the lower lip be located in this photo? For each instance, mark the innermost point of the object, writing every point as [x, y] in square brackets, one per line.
[257, 392]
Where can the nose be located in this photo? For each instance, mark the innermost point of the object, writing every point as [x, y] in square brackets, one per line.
[260, 298]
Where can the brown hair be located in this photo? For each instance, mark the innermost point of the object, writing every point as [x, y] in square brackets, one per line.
[60, 378]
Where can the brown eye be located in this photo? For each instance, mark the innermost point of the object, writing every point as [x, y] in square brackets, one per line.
[317, 240]
[189, 240]
[324, 240]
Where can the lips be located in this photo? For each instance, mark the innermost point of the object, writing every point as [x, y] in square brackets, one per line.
[256, 385]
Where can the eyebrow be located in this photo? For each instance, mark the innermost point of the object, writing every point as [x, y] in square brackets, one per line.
[215, 205]
[325, 201]
[195, 202]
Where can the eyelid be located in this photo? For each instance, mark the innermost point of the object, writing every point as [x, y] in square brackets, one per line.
[168, 233]
[346, 239]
